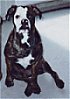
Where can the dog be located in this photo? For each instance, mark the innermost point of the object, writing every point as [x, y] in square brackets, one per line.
[1, 21]
[24, 50]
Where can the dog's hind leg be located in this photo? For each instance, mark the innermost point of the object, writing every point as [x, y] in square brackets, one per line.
[48, 69]
[9, 80]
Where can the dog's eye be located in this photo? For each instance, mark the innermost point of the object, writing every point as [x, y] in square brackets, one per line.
[17, 16]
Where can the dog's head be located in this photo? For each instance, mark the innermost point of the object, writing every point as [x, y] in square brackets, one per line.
[23, 16]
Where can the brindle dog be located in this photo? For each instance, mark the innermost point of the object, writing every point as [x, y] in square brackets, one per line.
[24, 50]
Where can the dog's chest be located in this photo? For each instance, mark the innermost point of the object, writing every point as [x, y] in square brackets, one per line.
[26, 60]
[25, 38]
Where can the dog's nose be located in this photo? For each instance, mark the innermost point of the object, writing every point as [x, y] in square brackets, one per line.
[24, 21]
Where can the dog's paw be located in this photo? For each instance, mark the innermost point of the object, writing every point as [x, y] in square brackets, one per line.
[36, 89]
[9, 83]
[60, 83]
[28, 91]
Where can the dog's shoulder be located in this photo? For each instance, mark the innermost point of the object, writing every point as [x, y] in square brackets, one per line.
[37, 36]
[9, 41]
[11, 36]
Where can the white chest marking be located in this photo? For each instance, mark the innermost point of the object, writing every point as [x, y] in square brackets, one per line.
[25, 61]
[25, 36]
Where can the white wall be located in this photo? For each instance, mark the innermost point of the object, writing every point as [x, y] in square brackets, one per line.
[5, 4]
[25, 2]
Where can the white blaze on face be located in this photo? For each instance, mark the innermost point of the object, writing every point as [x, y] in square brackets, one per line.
[20, 14]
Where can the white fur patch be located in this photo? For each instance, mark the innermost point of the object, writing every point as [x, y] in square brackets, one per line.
[25, 36]
[25, 61]
[22, 13]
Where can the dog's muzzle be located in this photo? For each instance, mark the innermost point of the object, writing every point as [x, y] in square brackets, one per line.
[25, 24]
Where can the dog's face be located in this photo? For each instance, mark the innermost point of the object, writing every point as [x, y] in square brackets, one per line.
[21, 19]
[23, 16]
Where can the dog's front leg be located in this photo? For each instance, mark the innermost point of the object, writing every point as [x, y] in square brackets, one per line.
[46, 67]
[9, 80]
[32, 84]
[32, 87]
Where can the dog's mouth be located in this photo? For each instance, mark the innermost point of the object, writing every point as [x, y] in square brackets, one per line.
[24, 27]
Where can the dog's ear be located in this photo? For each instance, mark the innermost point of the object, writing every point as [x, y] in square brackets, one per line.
[37, 11]
[10, 12]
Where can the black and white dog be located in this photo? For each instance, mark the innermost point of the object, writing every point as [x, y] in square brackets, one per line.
[24, 50]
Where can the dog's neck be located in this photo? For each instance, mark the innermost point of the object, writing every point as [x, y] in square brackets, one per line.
[30, 31]
[19, 36]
